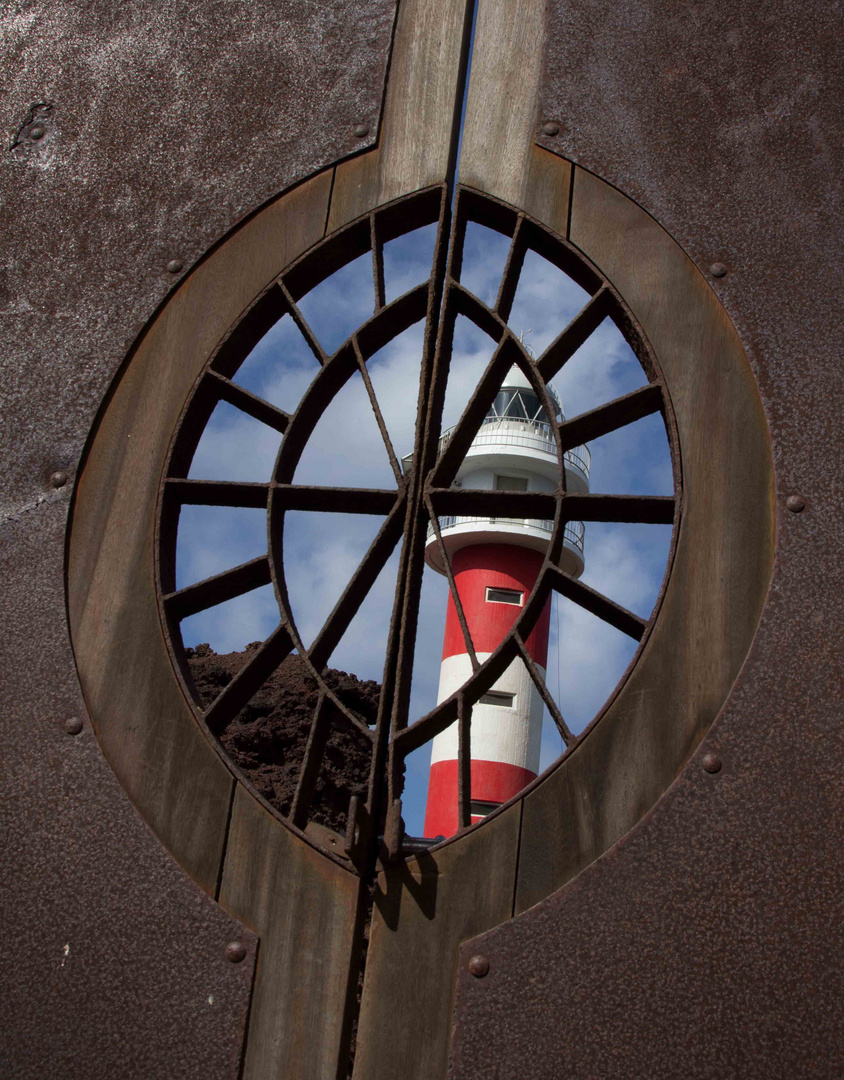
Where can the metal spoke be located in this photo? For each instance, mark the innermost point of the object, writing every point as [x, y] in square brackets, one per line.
[512, 271]
[248, 403]
[464, 762]
[612, 416]
[249, 679]
[455, 595]
[474, 502]
[544, 692]
[596, 603]
[217, 493]
[569, 341]
[325, 713]
[644, 509]
[304, 328]
[362, 581]
[216, 590]
[467, 427]
[330, 500]
[377, 263]
[379, 418]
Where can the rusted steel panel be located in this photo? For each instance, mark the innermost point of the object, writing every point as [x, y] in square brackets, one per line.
[707, 942]
[162, 126]
[116, 962]
[137, 135]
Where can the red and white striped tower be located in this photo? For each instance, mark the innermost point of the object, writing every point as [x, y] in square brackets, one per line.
[495, 562]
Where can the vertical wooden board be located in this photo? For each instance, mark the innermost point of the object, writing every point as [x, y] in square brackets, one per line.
[305, 908]
[498, 155]
[722, 562]
[423, 911]
[146, 728]
[420, 109]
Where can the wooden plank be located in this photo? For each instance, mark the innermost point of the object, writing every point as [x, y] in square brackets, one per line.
[306, 909]
[164, 761]
[419, 111]
[703, 631]
[423, 911]
[498, 154]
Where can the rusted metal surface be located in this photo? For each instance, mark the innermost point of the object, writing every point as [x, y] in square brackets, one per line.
[119, 966]
[137, 135]
[163, 128]
[707, 942]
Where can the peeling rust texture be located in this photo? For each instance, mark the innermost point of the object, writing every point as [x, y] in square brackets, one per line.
[135, 134]
[116, 958]
[708, 942]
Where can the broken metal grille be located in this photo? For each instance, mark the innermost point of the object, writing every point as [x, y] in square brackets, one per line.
[422, 499]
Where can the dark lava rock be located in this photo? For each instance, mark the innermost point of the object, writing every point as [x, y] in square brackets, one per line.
[267, 739]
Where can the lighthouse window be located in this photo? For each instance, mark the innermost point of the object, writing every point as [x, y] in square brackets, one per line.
[511, 483]
[518, 404]
[499, 698]
[503, 596]
[480, 808]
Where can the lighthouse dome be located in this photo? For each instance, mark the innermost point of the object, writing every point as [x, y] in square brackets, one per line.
[517, 400]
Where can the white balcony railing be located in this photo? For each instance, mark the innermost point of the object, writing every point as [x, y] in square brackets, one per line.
[519, 431]
[573, 535]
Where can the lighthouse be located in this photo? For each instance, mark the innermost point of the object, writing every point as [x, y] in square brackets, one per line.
[495, 563]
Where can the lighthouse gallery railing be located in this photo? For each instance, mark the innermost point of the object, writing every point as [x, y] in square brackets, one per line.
[535, 434]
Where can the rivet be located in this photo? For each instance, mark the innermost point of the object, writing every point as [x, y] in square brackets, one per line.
[479, 966]
[796, 504]
[58, 479]
[37, 131]
[551, 128]
[235, 951]
[73, 725]
[718, 270]
[174, 266]
[361, 131]
[711, 762]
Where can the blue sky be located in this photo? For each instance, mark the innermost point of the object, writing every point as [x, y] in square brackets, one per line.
[626, 562]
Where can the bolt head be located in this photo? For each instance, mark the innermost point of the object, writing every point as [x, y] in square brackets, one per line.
[718, 270]
[58, 479]
[37, 131]
[174, 266]
[711, 762]
[479, 966]
[361, 131]
[551, 128]
[235, 951]
[73, 725]
[796, 504]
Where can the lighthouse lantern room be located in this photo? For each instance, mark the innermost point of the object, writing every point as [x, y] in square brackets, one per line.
[495, 563]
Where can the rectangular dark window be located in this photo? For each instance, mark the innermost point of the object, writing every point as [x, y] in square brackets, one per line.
[479, 808]
[511, 483]
[503, 596]
[497, 697]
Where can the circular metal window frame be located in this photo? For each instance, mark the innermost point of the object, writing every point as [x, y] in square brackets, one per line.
[169, 766]
[421, 495]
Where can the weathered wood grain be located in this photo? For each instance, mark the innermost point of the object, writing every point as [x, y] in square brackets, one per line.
[171, 772]
[423, 910]
[722, 562]
[307, 910]
[418, 129]
[498, 154]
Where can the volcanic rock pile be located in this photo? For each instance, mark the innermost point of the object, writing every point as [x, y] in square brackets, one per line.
[267, 739]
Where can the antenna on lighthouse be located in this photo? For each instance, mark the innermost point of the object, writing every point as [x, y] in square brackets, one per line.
[527, 346]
